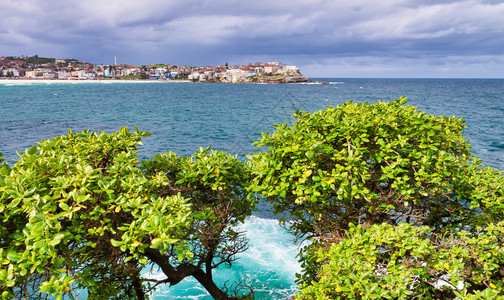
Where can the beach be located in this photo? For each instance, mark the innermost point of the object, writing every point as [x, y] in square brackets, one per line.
[50, 81]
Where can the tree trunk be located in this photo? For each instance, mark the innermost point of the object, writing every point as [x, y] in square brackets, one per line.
[207, 282]
[183, 271]
[137, 285]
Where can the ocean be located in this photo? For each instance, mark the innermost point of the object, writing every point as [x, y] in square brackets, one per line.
[184, 116]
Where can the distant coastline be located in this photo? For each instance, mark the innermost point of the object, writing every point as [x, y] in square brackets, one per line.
[78, 81]
[47, 70]
[25, 81]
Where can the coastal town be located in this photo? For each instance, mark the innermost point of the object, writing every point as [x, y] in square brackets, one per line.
[34, 67]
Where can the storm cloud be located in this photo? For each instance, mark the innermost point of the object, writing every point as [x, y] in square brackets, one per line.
[341, 38]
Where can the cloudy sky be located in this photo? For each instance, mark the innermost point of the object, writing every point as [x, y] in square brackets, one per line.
[325, 38]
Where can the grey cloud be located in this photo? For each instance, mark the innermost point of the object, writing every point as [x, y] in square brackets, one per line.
[203, 30]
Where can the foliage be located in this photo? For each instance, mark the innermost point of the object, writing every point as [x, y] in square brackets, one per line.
[405, 262]
[144, 75]
[368, 164]
[78, 212]
[487, 194]
[155, 66]
[2, 161]
[214, 183]
[37, 60]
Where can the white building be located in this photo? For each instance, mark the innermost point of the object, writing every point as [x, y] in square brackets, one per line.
[37, 73]
[11, 72]
[63, 75]
[291, 70]
[194, 76]
[236, 75]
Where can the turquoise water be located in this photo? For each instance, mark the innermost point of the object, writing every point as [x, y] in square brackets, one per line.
[269, 266]
[183, 117]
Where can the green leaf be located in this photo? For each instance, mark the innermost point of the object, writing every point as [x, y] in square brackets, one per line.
[4, 171]
[310, 154]
[14, 256]
[143, 261]
[32, 150]
[116, 243]
[10, 283]
[64, 206]
[54, 242]
[181, 257]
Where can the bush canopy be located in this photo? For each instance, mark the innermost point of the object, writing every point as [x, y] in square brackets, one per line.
[369, 164]
[79, 212]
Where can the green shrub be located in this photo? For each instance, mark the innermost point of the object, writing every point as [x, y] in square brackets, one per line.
[78, 212]
[362, 163]
[406, 262]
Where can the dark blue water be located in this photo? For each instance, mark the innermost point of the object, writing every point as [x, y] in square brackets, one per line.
[183, 117]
